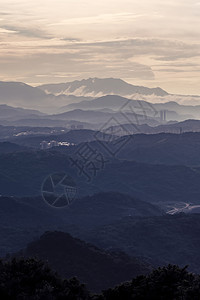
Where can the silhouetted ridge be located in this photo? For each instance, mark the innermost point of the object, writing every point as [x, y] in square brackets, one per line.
[73, 257]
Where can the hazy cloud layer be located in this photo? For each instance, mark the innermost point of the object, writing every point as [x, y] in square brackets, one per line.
[152, 43]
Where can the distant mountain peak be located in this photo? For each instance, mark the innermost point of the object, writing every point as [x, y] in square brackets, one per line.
[97, 87]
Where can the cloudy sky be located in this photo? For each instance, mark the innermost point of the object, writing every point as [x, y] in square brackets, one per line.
[152, 43]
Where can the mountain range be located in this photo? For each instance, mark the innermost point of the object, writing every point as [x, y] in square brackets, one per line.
[16, 113]
[96, 87]
[19, 94]
[101, 178]
[53, 97]
[22, 173]
[115, 103]
[96, 113]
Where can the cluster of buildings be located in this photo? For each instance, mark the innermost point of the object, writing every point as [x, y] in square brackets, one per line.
[47, 145]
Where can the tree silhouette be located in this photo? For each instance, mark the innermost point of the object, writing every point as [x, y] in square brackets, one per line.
[22, 279]
[32, 279]
[166, 283]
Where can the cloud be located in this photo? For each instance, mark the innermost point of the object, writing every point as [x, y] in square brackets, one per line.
[157, 49]
[84, 63]
[175, 70]
[28, 32]
[70, 39]
[115, 58]
[7, 31]
[4, 13]
[99, 19]
[154, 42]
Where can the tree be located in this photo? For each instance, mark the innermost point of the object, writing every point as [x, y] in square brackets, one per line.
[166, 283]
[32, 279]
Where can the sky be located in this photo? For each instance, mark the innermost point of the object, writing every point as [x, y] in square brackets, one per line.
[152, 43]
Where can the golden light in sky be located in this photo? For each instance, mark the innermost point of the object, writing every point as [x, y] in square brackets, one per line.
[152, 43]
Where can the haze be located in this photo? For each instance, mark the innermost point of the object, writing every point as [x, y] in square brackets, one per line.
[152, 43]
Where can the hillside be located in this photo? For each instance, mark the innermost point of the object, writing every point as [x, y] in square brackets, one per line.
[23, 219]
[159, 240]
[7, 147]
[72, 257]
[15, 113]
[19, 94]
[14, 91]
[72, 136]
[24, 172]
[162, 148]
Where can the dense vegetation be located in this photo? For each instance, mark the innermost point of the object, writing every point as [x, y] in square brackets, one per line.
[32, 279]
[167, 283]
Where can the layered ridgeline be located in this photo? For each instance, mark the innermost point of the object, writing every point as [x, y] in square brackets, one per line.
[97, 87]
[23, 219]
[49, 98]
[26, 96]
[98, 113]
[156, 168]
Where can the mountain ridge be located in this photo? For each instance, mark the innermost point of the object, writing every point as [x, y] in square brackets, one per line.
[100, 86]
[73, 257]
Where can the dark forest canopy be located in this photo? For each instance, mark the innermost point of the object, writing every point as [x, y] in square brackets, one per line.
[33, 279]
